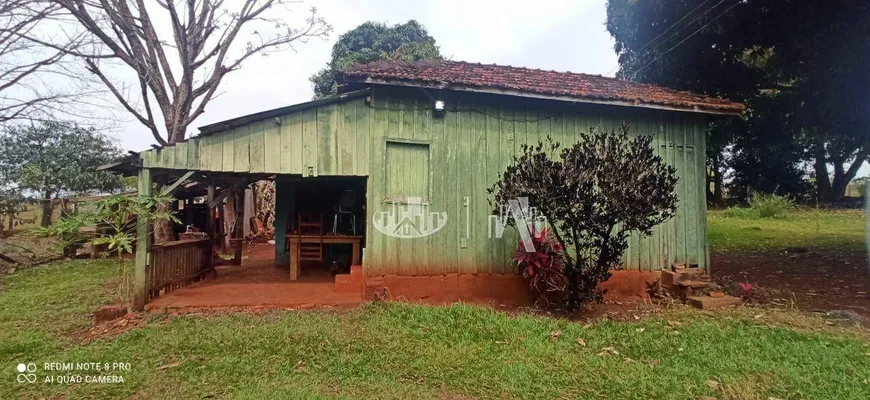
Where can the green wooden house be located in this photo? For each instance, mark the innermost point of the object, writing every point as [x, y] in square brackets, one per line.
[419, 144]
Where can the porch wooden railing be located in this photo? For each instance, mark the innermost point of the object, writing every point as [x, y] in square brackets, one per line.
[176, 264]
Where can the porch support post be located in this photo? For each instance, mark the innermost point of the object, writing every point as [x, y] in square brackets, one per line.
[238, 228]
[143, 248]
[285, 199]
[210, 229]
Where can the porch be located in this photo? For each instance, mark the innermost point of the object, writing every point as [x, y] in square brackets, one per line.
[257, 284]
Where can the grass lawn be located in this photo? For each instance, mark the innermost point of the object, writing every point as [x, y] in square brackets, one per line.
[837, 230]
[400, 351]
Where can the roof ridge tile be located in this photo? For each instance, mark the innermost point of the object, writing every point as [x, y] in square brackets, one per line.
[530, 81]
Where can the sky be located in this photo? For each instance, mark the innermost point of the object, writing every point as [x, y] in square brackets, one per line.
[559, 35]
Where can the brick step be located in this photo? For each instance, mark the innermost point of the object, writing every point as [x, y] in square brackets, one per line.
[344, 284]
[707, 302]
[352, 282]
[696, 284]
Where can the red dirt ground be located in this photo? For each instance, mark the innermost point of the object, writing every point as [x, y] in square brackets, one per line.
[257, 284]
[810, 281]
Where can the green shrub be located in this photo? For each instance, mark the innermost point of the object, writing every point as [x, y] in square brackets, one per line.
[771, 205]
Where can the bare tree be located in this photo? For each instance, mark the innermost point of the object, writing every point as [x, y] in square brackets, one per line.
[23, 93]
[176, 76]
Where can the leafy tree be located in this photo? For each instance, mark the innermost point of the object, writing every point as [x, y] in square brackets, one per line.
[593, 195]
[374, 41]
[11, 203]
[56, 158]
[767, 157]
[796, 64]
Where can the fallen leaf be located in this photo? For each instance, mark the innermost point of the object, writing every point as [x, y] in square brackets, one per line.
[170, 365]
[581, 342]
[712, 384]
[758, 316]
[680, 349]
[554, 335]
[300, 367]
[640, 330]
[675, 333]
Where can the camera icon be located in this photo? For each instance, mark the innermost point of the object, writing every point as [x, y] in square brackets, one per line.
[26, 373]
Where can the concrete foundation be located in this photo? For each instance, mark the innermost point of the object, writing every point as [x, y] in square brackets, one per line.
[507, 289]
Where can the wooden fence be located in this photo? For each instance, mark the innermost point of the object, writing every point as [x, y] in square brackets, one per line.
[176, 264]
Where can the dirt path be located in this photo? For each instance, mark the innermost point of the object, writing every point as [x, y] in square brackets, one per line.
[813, 281]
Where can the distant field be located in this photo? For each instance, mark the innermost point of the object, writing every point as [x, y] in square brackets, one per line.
[835, 230]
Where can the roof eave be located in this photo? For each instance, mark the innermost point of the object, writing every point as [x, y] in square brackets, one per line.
[206, 130]
[518, 93]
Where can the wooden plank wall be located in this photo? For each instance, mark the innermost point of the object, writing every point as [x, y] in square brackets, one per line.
[327, 140]
[468, 149]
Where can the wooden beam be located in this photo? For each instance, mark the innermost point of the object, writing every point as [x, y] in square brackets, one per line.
[210, 229]
[143, 248]
[169, 188]
[238, 228]
[285, 196]
[226, 192]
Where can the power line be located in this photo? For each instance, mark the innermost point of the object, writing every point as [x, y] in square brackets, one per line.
[675, 24]
[664, 32]
[697, 18]
[634, 74]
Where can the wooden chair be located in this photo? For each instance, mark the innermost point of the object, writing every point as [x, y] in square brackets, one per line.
[309, 224]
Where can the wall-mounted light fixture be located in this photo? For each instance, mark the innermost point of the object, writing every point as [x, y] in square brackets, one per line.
[439, 107]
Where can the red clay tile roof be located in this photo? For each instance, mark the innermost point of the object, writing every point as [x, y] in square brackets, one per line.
[594, 88]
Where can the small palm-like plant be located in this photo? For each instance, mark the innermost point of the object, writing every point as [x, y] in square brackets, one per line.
[120, 216]
[67, 232]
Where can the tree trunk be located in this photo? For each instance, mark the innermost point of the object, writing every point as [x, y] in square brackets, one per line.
[163, 231]
[830, 191]
[714, 177]
[823, 181]
[47, 209]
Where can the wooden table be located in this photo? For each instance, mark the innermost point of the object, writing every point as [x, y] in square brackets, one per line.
[293, 242]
